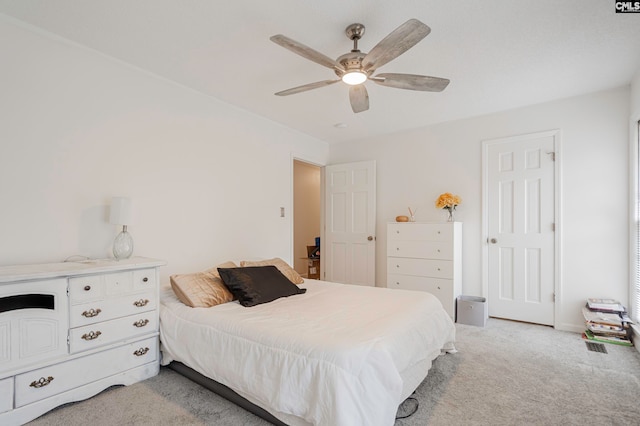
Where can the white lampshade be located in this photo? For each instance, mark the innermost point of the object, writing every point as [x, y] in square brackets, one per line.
[120, 211]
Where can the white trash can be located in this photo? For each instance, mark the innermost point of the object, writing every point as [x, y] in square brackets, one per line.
[472, 310]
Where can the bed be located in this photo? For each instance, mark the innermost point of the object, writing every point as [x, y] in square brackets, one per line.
[336, 355]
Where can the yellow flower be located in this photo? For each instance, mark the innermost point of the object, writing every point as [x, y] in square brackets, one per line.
[448, 201]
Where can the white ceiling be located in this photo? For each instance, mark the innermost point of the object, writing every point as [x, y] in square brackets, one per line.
[498, 54]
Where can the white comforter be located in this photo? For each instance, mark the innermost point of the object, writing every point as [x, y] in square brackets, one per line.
[333, 356]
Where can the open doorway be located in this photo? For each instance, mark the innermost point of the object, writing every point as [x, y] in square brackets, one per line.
[306, 217]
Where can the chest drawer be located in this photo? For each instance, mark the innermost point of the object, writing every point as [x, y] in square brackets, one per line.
[96, 335]
[420, 267]
[441, 288]
[421, 249]
[52, 380]
[118, 283]
[107, 309]
[420, 232]
[94, 287]
[144, 279]
[6, 394]
[83, 289]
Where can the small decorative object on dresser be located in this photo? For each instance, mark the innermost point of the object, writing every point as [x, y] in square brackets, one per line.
[412, 214]
[448, 202]
[70, 330]
[426, 257]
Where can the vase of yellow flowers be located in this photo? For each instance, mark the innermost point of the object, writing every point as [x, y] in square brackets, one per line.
[448, 202]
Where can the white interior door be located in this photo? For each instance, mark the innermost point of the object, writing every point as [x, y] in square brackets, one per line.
[519, 220]
[349, 249]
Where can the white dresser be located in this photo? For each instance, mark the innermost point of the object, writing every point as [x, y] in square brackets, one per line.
[426, 257]
[70, 330]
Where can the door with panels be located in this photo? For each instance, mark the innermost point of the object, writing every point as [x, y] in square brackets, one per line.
[349, 250]
[520, 227]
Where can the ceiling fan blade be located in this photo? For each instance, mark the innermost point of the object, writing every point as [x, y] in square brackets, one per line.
[306, 87]
[411, 82]
[306, 52]
[395, 44]
[359, 98]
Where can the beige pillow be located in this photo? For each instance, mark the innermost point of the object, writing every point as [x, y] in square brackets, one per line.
[202, 289]
[282, 266]
[214, 271]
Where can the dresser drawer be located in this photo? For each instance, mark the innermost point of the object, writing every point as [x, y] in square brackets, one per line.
[420, 231]
[420, 267]
[6, 394]
[92, 287]
[441, 288]
[103, 333]
[144, 279]
[103, 310]
[48, 381]
[421, 249]
[84, 289]
[118, 283]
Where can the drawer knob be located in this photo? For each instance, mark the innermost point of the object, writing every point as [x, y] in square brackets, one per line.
[397, 266]
[87, 287]
[398, 248]
[438, 269]
[141, 323]
[41, 382]
[145, 279]
[141, 351]
[91, 313]
[91, 335]
[140, 303]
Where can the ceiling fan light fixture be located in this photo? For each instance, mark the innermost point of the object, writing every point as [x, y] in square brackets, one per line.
[354, 77]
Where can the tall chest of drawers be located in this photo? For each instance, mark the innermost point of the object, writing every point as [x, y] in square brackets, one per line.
[70, 330]
[426, 257]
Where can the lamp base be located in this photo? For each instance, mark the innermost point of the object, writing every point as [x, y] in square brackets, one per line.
[123, 245]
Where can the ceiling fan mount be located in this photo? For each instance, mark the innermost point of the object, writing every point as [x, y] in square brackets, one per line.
[352, 62]
[355, 33]
[355, 67]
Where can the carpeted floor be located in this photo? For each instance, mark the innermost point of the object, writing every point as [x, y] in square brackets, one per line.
[507, 373]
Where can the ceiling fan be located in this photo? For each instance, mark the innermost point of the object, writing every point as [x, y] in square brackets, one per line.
[355, 67]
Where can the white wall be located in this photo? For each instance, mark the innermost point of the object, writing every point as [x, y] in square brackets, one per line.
[207, 180]
[79, 128]
[414, 167]
[635, 97]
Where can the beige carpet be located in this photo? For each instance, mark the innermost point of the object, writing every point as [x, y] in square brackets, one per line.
[507, 373]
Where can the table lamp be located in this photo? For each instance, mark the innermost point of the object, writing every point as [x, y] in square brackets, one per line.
[121, 215]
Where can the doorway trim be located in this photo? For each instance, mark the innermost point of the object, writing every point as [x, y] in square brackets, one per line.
[296, 156]
[556, 134]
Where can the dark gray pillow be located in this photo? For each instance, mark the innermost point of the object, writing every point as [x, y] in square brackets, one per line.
[253, 285]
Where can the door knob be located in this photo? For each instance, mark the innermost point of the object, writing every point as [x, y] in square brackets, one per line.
[493, 241]
[370, 238]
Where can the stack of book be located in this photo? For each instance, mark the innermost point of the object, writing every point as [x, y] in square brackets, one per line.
[607, 322]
